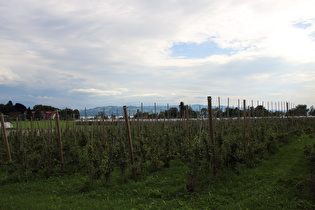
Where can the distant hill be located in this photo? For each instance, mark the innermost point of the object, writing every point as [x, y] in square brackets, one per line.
[132, 110]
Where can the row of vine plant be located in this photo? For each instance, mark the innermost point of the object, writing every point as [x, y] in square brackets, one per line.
[96, 149]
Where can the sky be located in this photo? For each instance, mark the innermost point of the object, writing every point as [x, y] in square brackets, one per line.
[79, 53]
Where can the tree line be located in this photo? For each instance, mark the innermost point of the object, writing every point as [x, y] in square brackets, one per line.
[38, 112]
[183, 111]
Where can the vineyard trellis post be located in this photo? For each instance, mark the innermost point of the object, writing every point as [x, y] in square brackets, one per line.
[287, 106]
[103, 125]
[138, 123]
[287, 113]
[31, 125]
[220, 113]
[238, 110]
[5, 137]
[186, 120]
[244, 118]
[132, 161]
[73, 122]
[59, 140]
[155, 113]
[211, 133]
[228, 108]
[17, 123]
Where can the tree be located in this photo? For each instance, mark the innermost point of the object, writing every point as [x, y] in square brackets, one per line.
[8, 108]
[204, 112]
[191, 113]
[113, 117]
[44, 108]
[38, 115]
[162, 115]
[299, 110]
[172, 112]
[231, 112]
[217, 112]
[76, 114]
[182, 109]
[141, 115]
[67, 113]
[10, 104]
[28, 113]
[261, 111]
[2, 108]
[312, 111]
[20, 107]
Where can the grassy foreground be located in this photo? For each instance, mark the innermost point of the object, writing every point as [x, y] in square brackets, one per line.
[279, 182]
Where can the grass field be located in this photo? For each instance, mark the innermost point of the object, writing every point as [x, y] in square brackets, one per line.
[42, 124]
[279, 182]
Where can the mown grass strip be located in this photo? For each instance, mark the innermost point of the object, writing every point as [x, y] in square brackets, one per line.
[280, 182]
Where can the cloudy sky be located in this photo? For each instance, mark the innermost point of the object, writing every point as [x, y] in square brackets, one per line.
[79, 53]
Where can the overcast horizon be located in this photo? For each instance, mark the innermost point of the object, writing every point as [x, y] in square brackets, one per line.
[81, 54]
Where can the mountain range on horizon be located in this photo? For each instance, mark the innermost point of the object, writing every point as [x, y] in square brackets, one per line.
[132, 110]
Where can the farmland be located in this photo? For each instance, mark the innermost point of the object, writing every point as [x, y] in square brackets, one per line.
[186, 163]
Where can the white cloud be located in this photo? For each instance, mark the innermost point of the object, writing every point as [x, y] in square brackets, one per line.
[259, 77]
[7, 77]
[95, 92]
[148, 95]
[40, 97]
[109, 48]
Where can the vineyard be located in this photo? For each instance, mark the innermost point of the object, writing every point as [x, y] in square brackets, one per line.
[134, 148]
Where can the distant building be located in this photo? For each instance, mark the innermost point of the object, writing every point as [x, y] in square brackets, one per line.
[50, 115]
[46, 115]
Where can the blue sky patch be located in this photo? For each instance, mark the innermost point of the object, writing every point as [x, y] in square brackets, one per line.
[194, 50]
[302, 25]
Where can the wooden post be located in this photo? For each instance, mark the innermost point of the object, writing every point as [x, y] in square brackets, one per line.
[142, 111]
[103, 126]
[186, 121]
[31, 125]
[287, 105]
[186, 112]
[238, 110]
[228, 109]
[59, 140]
[211, 133]
[17, 124]
[155, 113]
[5, 138]
[73, 120]
[252, 110]
[244, 119]
[132, 161]
[257, 112]
[138, 123]
[85, 119]
[262, 110]
[220, 113]
[168, 111]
